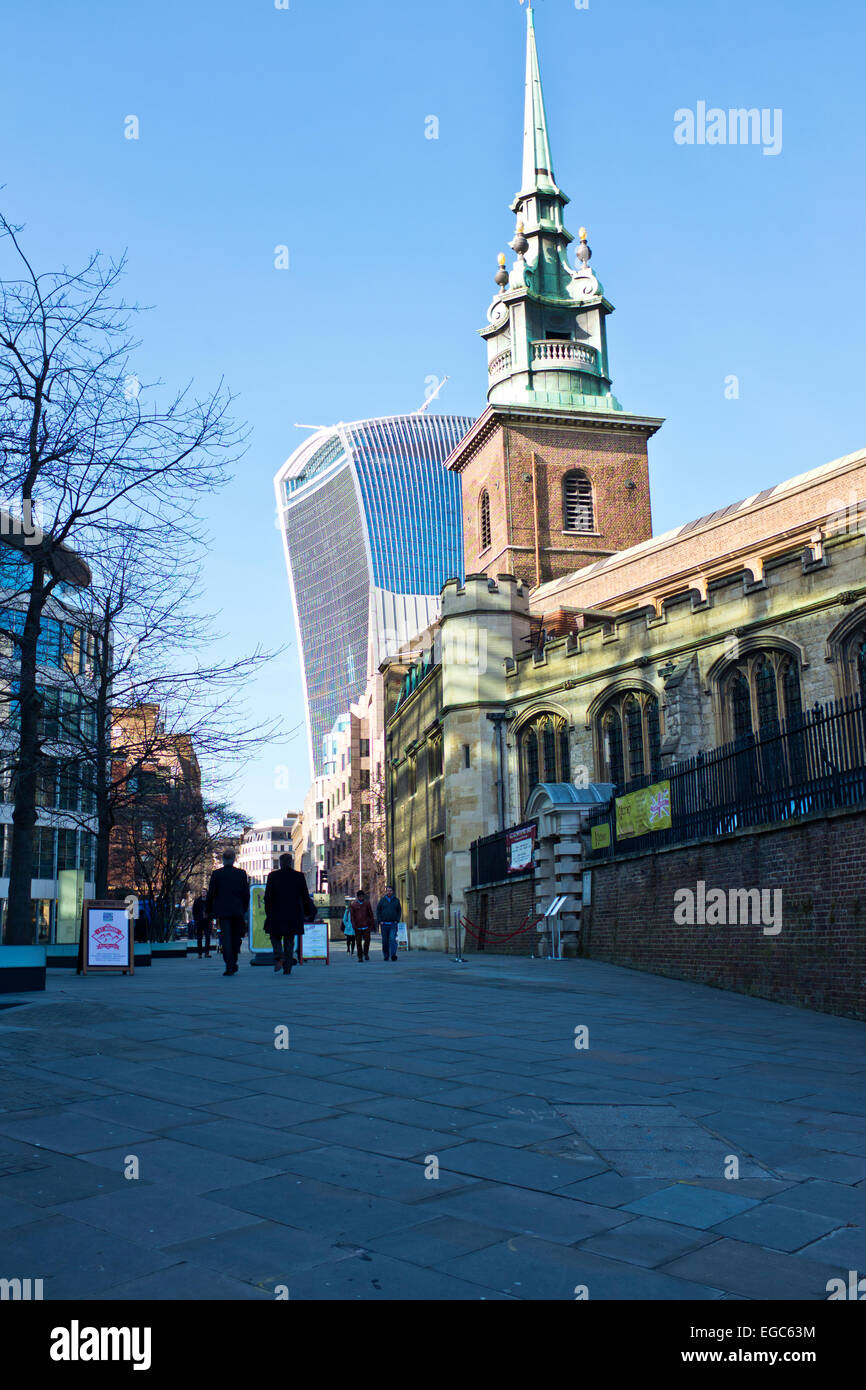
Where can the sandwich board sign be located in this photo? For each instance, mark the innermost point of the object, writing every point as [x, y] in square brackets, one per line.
[402, 936]
[106, 938]
[314, 942]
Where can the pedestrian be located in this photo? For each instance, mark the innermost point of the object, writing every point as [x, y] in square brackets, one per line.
[363, 922]
[288, 906]
[228, 898]
[348, 929]
[202, 924]
[388, 911]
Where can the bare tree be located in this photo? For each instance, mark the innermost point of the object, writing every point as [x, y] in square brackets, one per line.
[152, 689]
[364, 859]
[168, 845]
[88, 447]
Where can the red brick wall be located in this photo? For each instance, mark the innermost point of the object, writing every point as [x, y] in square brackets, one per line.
[504, 467]
[818, 959]
[508, 906]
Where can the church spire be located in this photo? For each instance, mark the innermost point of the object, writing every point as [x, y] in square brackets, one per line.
[546, 337]
[537, 161]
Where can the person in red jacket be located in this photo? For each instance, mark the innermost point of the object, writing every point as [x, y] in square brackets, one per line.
[363, 921]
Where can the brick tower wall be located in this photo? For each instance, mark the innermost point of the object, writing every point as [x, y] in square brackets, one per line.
[611, 459]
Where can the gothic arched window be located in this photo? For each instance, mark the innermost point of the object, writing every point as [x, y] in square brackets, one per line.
[577, 508]
[484, 520]
[758, 693]
[741, 706]
[629, 737]
[544, 752]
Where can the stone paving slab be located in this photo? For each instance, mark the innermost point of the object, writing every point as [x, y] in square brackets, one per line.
[371, 1277]
[255, 1142]
[264, 1254]
[372, 1133]
[154, 1215]
[309, 1167]
[84, 1258]
[402, 1180]
[69, 1133]
[527, 1268]
[753, 1272]
[647, 1242]
[777, 1227]
[517, 1211]
[311, 1205]
[690, 1205]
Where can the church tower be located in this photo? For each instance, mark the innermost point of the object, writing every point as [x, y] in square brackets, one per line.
[554, 473]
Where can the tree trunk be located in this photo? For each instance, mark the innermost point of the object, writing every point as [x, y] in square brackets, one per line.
[104, 809]
[20, 927]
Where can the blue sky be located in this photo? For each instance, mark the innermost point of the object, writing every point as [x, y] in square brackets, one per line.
[305, 127]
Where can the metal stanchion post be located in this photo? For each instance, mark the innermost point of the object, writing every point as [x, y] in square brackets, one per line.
[459, 959]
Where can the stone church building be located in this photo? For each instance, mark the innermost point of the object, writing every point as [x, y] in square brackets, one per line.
[583, 657]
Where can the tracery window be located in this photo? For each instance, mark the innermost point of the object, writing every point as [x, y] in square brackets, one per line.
[544, 752]
[629, 737]
[758, 693]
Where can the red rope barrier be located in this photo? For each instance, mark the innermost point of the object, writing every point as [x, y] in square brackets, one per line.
[496, 938]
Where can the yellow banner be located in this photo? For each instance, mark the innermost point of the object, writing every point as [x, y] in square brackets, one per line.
[600, 836]
[643, 811]
[259, 940]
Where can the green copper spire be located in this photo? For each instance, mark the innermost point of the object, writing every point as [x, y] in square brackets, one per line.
[546, 336]
[537, 161]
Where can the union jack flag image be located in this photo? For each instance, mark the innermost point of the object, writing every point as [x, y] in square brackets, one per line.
[660, 807]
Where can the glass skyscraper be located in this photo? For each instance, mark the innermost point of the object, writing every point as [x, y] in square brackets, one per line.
[372, 528]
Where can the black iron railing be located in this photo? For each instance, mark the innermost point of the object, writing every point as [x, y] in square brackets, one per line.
[814, 763]
[489, 858]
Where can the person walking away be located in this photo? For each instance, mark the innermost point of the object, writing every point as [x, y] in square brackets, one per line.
[202, 924]
[348, 929]
[388, 912]
[363, 922]
[288, 906]
[228, 898]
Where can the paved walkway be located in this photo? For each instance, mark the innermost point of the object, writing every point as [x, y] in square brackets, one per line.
[431, 1132]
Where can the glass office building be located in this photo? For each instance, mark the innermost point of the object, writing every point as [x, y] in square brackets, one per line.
[65, 833]
[372, 528]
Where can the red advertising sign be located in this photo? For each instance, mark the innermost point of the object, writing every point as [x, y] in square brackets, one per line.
[521, 843]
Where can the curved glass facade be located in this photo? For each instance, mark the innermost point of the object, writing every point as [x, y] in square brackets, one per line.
[366, 507]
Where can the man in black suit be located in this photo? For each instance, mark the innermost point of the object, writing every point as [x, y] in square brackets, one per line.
[288, 906]
[202, 924]
[228, 897]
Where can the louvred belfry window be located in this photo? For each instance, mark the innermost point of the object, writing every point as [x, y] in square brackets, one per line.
[577, 508]
[484, 520]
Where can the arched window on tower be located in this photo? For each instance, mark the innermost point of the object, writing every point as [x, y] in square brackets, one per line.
[629, 737]
[484, 520]
[577, 508]
[544, 752]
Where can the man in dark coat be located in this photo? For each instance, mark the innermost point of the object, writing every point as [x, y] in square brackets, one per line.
[202, 924]
[288, 906]
[388, 911]
[228, 897]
